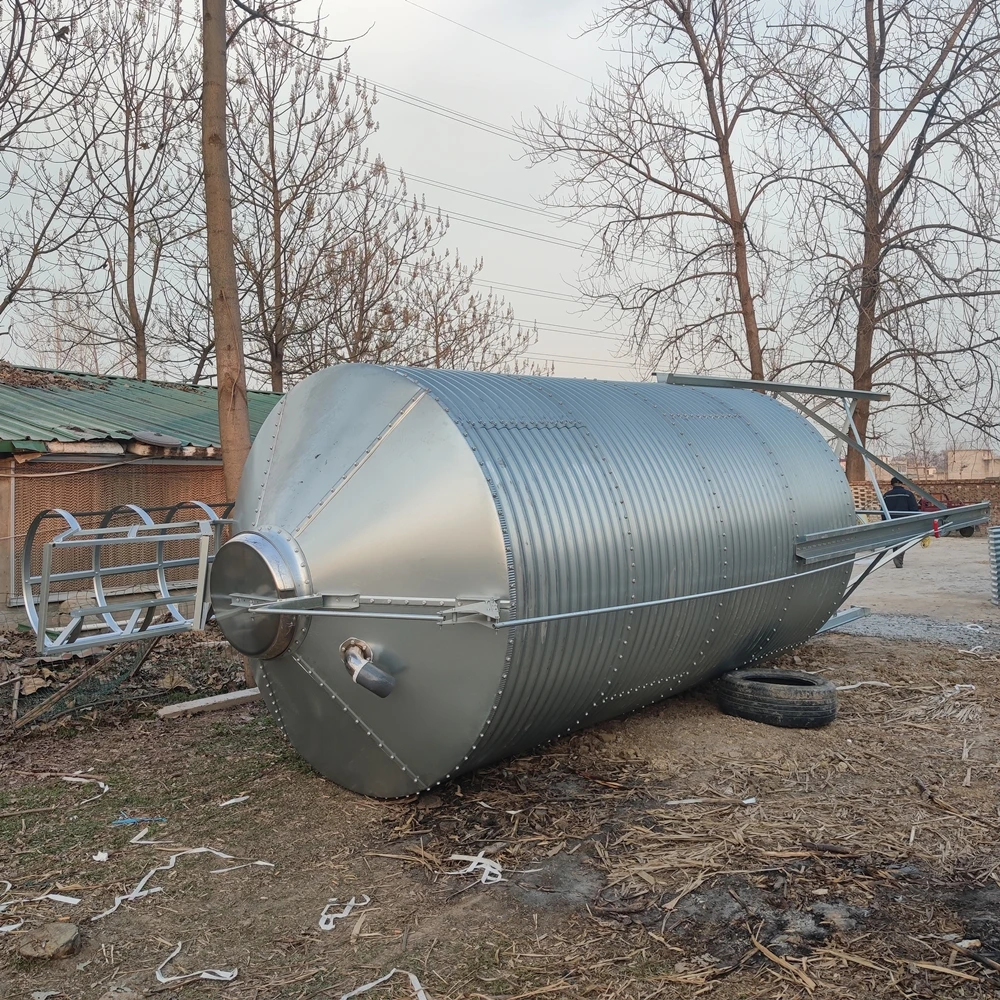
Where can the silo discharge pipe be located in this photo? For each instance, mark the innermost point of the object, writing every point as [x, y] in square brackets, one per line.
[360, 662]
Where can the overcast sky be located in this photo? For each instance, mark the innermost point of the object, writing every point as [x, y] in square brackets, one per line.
[419, 53]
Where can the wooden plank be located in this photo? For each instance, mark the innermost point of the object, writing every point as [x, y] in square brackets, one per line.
[218, 701]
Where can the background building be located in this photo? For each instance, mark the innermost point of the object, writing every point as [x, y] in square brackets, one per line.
[89, 444]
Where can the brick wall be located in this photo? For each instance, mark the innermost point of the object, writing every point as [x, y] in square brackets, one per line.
[961, 491]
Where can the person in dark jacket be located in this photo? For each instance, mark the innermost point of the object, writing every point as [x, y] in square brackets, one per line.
[900, 502]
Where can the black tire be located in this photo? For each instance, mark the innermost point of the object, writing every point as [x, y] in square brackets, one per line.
[968, 531]
[786, 698]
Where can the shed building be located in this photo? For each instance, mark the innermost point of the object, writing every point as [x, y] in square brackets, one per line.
[88, 443]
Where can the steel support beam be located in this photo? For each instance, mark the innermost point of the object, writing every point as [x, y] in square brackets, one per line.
[715, 382]
[864, 451]
[839, 618]
[832, 544]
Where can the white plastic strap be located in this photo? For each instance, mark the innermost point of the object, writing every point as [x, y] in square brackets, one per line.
[54, 896]
[492, 871]
[79, 779]
[327, 920]
[140, 890]
[216, 975]
[418, 990]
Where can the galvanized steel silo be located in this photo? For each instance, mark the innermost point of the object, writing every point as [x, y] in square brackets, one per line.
[377, 499]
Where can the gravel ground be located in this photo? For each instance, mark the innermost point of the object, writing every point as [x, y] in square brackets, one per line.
[942, 595]
[948, 581]
[965, 635]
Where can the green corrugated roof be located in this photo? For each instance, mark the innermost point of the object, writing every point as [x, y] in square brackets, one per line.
[66, 406]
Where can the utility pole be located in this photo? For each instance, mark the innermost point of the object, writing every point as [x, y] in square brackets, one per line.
[234, 415]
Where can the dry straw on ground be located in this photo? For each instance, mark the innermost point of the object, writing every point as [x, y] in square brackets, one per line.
[676, 853]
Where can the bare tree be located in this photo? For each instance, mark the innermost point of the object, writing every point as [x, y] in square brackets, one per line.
[299, 133]
[139, 205]
[39, 62]
[661, 161]
[364, 316]
[895, 108]
[38, 222]
[391, 298]
[188, 325]
[336, 261]
[453, 326]
[45, 67]
[54, 340]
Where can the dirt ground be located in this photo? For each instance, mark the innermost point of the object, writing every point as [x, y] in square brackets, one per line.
[949, 579]
[860, 859]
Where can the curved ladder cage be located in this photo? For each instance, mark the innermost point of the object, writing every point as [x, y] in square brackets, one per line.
[167, 559]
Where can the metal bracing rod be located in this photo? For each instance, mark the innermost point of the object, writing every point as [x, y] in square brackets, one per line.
[88, 574]
[878, 562]
[199, 614]
[891, 546]
[103, 640]
[670, 600]
[840, 618]
[307, 605]
[263, 609]
[93, 536]
[718, 382]
[850, 405]
[836, 542]
[43, 598]
[122, 606]
[849, 410]
[69, 632]
[864, 451]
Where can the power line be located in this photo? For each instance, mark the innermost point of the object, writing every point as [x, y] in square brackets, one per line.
[527, 234]
[502, 227]
[406, 98]
[530, 234]
[513, 48]
[581, 361]
[463, 119]
[471, 121]
[541, 293]
[493, 199]
[566, 328]
[607, 338]
[434, 108]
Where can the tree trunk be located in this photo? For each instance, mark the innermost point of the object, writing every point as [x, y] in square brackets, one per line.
[234, 417]
[738, 227]
[872, 253]
[134, 317]
[277, 371]
[277, 259]
[737, 223]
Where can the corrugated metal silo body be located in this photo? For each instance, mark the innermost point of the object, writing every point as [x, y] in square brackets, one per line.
[555, 495]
